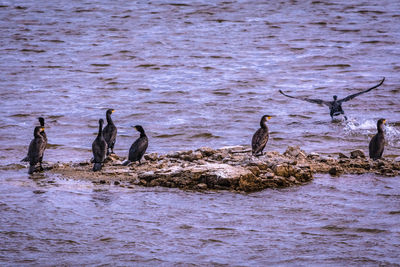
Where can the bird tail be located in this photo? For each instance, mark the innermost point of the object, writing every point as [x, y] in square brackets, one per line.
[125, 163]
[26, 159]
[96, 166]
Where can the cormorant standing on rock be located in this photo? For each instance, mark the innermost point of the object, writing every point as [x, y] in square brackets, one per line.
[110, 132]
[260, 137]
[99, 148]
[36, 149]
[43, 133]
[138, 148]
[377, 143]
[335, 106]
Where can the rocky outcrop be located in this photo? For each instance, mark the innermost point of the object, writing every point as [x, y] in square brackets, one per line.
[228, 168]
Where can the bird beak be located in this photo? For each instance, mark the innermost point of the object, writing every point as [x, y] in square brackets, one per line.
[112, 111]
[269, 117]
[42, 129]
[384, 121]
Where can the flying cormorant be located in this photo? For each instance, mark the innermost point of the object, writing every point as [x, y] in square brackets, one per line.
[377, 143]
[110, 132]
[36, 149]
[335, 106]
[138, 148]
[260, 137]
[99, 148]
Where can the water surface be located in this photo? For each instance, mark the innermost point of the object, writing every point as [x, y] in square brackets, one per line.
[194, 74]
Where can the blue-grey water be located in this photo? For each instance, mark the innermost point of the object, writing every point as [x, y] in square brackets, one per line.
[197, 73]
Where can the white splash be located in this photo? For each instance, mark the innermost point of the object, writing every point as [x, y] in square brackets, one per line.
[368, 127]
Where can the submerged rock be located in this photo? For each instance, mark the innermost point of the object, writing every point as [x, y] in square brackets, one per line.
[357, 154]
[228, 168]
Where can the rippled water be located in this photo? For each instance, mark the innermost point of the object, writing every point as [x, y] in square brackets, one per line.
[331, 221]
[194, 74]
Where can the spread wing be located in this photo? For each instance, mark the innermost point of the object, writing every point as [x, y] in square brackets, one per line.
[311, 100]
[347, 98]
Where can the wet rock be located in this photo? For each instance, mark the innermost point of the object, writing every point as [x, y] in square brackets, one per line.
[280, 170]
[222, 174]
[250, 183]
[304, 175]
[313, 155]
[343, 156]
[206, 151]
[255, 170]
[357, 154]
[228, 168]
[269, 175]
[295, 152]
[151, 156]
[202, 186]
[334, 171]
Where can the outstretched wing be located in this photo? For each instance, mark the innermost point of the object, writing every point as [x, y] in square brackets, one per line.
[311, 100]
[347, 98]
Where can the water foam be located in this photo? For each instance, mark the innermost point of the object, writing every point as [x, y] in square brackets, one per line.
[368, 127]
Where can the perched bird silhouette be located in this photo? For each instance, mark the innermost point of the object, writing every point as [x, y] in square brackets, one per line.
[377, 143]
[110, 131]
[138, 148]
[99, 148]
[335, 106]
[36, 149]
[260, 137]
[43, 133]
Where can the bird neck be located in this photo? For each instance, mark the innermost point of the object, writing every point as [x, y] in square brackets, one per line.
[380, 128]
[109, 120]
[100, 130]
[142, 134]
[263, 124]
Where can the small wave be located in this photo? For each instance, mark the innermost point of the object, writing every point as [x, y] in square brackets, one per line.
[100, 65]
[162, 102]
[146, 66]
[33, 50]
[167, 135]
[370, 230]
[53, 145]
[20, 115]
[205, 135]
[336, 66]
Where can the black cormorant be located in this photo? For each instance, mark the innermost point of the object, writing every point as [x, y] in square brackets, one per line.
[377, 143]
[138, 148]
[36, 149]
[260, 137]
[43, 133]
[110, 132]
[99, 148]
[335, 106]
